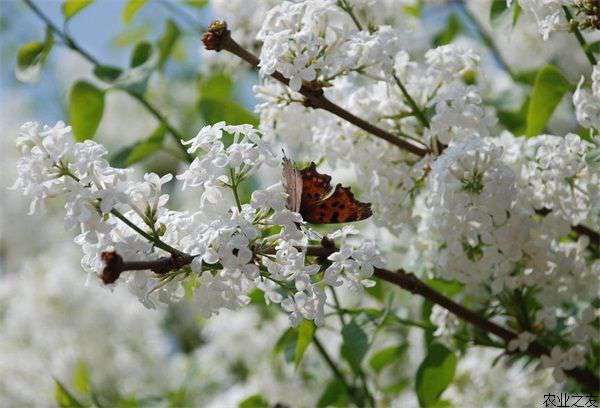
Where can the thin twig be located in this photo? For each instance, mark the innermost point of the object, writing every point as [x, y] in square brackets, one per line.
[575, 30]
[73, 45]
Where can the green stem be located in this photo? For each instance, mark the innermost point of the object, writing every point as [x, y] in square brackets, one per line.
[361, 374]
[413, 105]
[338, 306]
[336, 372]
[157, 242]
[588, 53]
[177, 136]
[234, 185]
[486, 38]
[73, 45]
[348, 9]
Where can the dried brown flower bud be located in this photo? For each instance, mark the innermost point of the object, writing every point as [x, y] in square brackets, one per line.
[113, 266]
[212, 38]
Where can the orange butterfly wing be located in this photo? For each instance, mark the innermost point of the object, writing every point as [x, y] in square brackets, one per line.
[310, 193]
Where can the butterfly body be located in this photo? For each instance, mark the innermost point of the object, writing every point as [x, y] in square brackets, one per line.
[310, 194]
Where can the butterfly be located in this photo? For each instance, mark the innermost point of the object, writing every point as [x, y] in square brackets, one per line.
[310, 194]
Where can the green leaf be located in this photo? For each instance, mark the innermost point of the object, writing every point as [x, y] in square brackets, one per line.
[254, 401]
[216, 110]
[86, 106]
[81, 378]
[71, 7]
[107, 73]
[131, 9]
[593, 47]
[166, 42]
[434, 374]
[446, 287]
[452, 29]
[334, 395]
[119, 159]
[497, 10]
[140, 54]
[549, 88]
[147, 147]
[414, 10]
[140, 150]
[516, 12]
[397, 387]
[31, 57]
[526, 77]
[197, 3]
[386, 356]
[30, 54]
[515, 121]
[286, 344]
[355, 345]
[306, 331]
[592, 157]
[216, 105]
[216, 86]
[64, 398]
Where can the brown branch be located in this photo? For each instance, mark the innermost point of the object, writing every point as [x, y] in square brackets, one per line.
[411, 283]
[218, 38]
[114, 266]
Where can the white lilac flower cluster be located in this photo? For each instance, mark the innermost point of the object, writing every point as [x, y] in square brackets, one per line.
[497, 213]
[472, 202]
[216, 168]
[550, 15]
[245, 19]
[117, 213]
[317, 40]
[587, 101]
[447, 325]
[492, 213]
[390, 175]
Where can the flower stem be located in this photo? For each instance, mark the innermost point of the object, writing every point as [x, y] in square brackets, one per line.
[338, 306]
[486, 38]
[156, 241]
[413, 105]
[234, 188]
[575, 30]
[343, 4]
[336, 372]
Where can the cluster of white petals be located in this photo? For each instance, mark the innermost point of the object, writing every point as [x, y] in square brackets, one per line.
[548, 14]
[497, 215]
[587, 101]
[111, 208]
